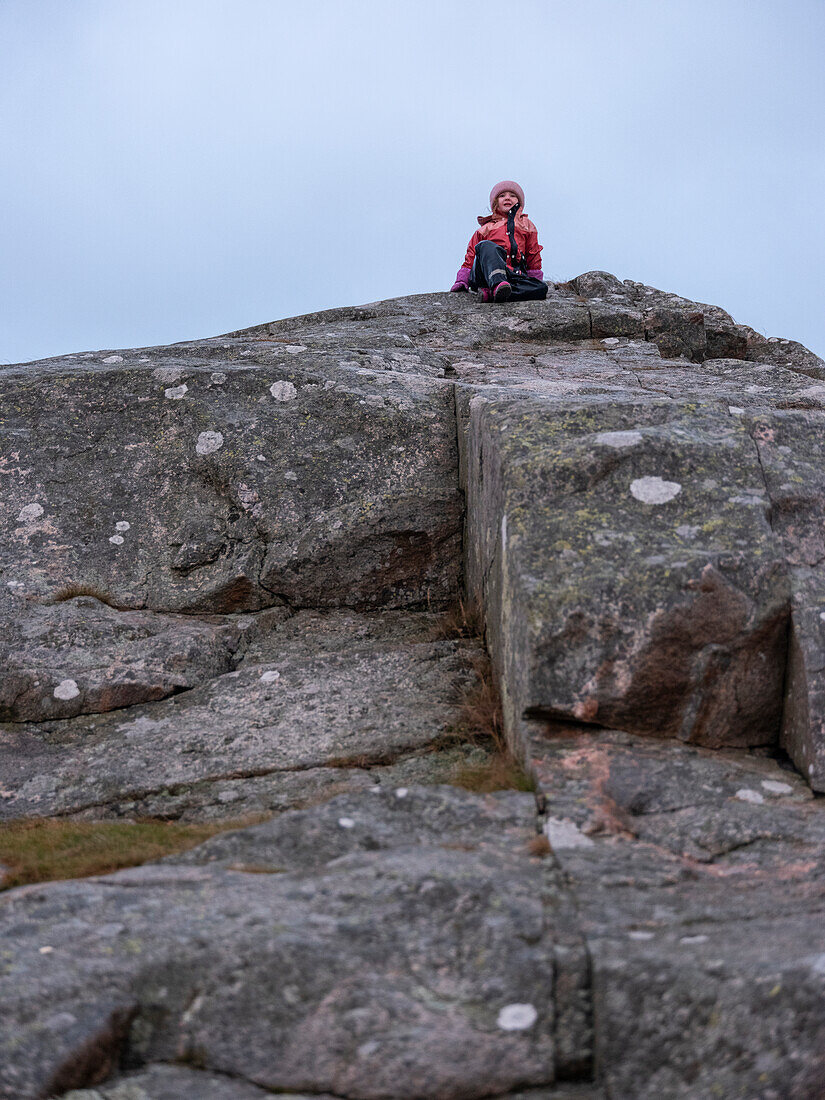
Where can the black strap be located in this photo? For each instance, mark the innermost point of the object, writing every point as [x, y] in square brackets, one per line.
[516, 260]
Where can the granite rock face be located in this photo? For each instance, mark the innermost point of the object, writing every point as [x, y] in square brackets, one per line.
[222, 568]
[120, 657]
[175, 486]
[699, 882]
[413, 957]
[313, 704]
[633, 579]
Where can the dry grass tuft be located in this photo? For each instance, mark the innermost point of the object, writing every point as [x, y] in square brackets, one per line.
[71, 591]
[462, 620]
[481, 723]
[41, 851]
[500, 772]
[539, 846]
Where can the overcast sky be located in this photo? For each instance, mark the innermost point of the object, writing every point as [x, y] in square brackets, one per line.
[174, 169]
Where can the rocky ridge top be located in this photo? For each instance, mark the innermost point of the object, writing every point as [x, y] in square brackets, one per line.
[223, 563]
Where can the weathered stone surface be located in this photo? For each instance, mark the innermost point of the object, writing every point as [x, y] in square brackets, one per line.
[420, 965]
[373, 689]
[168, 1082]
[631, 577]
[162, 1082]
[791, 448]
[192, 480]
[698, 877]
[81, 657]
[643, 530]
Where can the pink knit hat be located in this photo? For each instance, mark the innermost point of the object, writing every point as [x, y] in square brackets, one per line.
[506, 185]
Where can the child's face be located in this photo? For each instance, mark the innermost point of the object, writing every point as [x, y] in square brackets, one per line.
[506, 201]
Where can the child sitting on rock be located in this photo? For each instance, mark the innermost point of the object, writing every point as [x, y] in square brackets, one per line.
[504, 256]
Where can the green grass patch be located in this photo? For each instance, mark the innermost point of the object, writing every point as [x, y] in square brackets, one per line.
[43, 850]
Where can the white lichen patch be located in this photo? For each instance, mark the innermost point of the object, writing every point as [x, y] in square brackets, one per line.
[517, 1017]
[611, 341]
[687, 940]
[217, 378]
[116, 540]
[175, 393]
[290, 475]
[346, 822]
[638, 934]
[113, 359]
[283, 391]
[774, 786]
[295, 349]
[619, 439]
[735, 410]
[208, 443]
[654, 490]
[745, 794]
[401, 792]
[270, 676]
[30, 513]
[123, 525]
[687, 531]
[66, 689]
[563, 833]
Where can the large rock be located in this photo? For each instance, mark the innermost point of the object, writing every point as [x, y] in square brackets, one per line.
[322, 696]
[698, 881]
[81, 656]
[394, 944]
[643, 532]
[186, 480]
[625, 557]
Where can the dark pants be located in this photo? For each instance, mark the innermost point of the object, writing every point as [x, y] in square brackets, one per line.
[489, 265]
[490, 268]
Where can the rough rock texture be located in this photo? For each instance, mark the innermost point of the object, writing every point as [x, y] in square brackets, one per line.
[632, 578]
[219, 571]
[169, 1082]
[173, 485]
[311, 706]
[398, 945]
[82, 657]
[698, 878]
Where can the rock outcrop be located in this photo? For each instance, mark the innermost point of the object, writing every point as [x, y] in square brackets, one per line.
[223, 569]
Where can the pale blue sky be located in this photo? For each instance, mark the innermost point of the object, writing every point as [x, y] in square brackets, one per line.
[174, 169]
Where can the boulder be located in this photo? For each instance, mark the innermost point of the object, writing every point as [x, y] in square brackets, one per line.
[173, 485]
[240, 544]
[412, 957]
[625, 557]
[80, 656]
[322, 696]
[697, 877]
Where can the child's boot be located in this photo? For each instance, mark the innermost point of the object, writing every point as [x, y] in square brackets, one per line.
[502, 291]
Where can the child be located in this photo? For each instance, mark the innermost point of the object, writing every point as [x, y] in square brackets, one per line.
[504, 256]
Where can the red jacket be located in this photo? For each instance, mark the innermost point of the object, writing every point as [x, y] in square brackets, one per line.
[494, 228]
